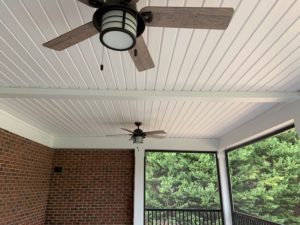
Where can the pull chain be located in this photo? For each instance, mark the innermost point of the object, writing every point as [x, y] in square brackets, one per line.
[102, 66]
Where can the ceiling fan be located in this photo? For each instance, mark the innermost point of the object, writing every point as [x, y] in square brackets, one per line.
[138, 135]
[121, 26]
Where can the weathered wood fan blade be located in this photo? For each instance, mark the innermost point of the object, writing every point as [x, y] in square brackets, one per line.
[141, 56]
[190, 17]
[155, 132]
[155, 136]
[126, 130]
[72, 37]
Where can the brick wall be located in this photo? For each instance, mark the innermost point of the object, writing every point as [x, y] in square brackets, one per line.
[25, 169]
[95, 187]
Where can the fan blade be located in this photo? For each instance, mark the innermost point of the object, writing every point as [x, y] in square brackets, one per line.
[141, 56]
[155, 132]
[189, 17]
[127, 130]
[72, 37]
[155, 136]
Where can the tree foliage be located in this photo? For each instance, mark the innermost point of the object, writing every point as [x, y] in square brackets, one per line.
[265, 178]
[181, 180]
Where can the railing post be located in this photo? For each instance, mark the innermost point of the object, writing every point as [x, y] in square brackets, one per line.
[297, 124]
[138, 213]
[224, 183]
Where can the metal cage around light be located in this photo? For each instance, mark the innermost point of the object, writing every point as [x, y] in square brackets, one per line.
[118, 26]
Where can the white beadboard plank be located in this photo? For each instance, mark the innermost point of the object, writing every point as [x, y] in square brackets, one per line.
[270, 34]
[180, 49]
[277, 45]
[246, 113]
[95, 118]
[251, 15]
[9, 74]
[18, 110]
[287, 55]
[29, 22]
[287, 73]
[164, 46]
[55, 25]
[16, 32]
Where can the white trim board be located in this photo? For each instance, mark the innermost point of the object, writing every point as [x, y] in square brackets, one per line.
[149, 95]
[19, 127]
[277, 117]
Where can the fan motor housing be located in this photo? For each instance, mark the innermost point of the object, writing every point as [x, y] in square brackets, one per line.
[123, 6]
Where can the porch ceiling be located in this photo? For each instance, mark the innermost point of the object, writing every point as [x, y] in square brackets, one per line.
[259, 53]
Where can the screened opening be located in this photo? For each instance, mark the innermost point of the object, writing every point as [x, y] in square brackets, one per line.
[182, 188]
[265, 178]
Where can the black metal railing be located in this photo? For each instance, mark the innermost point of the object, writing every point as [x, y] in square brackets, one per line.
[183, 217]
[244, 219]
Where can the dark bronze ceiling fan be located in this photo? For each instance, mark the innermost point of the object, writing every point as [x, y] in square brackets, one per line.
[121, 26]
[138, 135]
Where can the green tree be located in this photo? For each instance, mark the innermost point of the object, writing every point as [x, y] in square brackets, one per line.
[181, 180]
[265, 178]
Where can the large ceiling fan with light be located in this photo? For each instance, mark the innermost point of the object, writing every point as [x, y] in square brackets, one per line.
[121, 26]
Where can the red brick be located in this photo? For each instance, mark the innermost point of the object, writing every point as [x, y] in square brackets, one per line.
[25, 169]
[95, 187]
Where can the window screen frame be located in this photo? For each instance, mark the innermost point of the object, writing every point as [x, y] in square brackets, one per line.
[215, 153]
[236, 148]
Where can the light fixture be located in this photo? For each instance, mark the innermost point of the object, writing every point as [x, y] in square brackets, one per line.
[119, 25]
[137, 139]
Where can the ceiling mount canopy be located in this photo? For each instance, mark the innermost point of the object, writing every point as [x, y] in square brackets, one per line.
[119, 24]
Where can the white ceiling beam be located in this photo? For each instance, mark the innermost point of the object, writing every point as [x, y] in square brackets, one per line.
[149, 95]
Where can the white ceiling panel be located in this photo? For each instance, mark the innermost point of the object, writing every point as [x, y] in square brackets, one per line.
[73, 117]
[259, 52]
[262, 38]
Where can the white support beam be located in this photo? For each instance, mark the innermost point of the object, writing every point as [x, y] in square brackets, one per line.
[179, 144]
[278, 117]
[138, 212]
[152, 95]
[224, 183]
